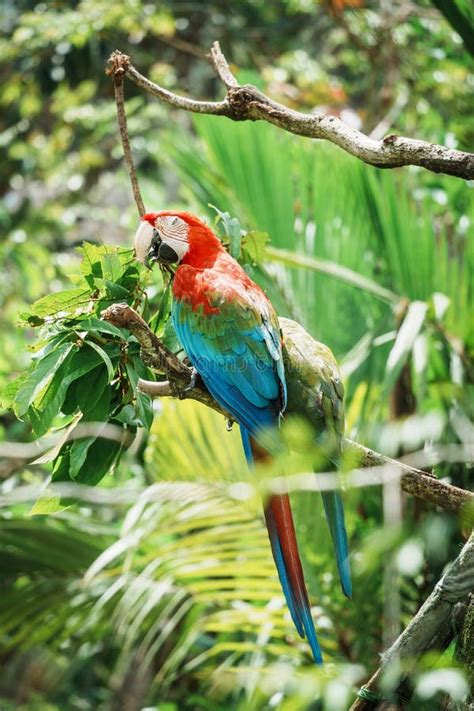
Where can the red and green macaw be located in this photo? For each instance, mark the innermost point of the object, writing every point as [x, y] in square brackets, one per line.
[229, 330]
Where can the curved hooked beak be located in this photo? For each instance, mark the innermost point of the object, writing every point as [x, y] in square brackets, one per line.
[160, 251]
[150, 248]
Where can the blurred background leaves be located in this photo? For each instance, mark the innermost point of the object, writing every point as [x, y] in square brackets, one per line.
[169, 600]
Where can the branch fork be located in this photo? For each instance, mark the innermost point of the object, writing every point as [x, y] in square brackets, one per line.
[247, 103]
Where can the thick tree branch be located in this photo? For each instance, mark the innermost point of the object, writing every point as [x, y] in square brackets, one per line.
[427, 629]
[417, 482]
[159, 358]
[248, 103]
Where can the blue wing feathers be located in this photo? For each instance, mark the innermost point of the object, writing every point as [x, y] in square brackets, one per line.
[334, 510]
[243, 383]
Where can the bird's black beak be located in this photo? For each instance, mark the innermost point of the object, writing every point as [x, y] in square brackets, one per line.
[160, 251]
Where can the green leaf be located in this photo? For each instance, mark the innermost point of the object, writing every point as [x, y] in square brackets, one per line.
[100, 456]
[67, 301]
[128, 416]
[39, 378]
[254, 244]
[407, 333]
[32, 320]
[91, 262]
[232, 230]
[112, 268]
[144, 402]
[83, 361]
[115, 291]
[95, 324]
[159, 319]
[105, 357]
[9, 392]
[90, 388]
[78, 454]
[145, 409]
[338, 271]
[48, 503]
[49, 401]
[99, 412]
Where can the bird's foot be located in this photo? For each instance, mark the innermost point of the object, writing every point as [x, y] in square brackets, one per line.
[193, 381]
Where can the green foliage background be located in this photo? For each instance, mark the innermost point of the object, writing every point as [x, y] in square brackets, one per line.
[156, 589]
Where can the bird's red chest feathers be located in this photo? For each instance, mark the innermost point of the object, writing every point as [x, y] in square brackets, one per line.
[208, 270]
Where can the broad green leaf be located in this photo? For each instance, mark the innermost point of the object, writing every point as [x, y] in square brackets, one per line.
[128, 416]
[83, 361]
[48, 403]
[95, 324]
[9, 392]
[116, 291]
[67, 301]
[145, 409]
[254, 244]
[99, 412]
[78, 454]
[40, 377]
[90, 387]
[105, 357]
[101, 455]
[91, 258]
[111, 266]
[48, 503]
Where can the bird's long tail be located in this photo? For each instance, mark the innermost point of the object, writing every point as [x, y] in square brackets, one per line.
[281, 531]
[335, 517]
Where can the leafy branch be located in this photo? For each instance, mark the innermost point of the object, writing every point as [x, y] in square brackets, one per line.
[246, 102]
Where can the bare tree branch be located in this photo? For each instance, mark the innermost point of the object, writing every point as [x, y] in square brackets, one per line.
[417, 482]
[116, 71]
[249, 103]
[177, 384]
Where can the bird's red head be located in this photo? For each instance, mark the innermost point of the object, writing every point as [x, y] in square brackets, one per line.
[176, 237]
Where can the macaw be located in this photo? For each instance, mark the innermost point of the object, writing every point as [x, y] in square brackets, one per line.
[230, 332]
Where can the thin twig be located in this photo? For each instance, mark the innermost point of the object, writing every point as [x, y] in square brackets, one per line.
[221, 66]
[117, 72]
[249, 103]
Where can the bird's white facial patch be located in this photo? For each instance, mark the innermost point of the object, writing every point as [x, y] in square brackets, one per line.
[174, 232]
[143, 237]
[169, 229]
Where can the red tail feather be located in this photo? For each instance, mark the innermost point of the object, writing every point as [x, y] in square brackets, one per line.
[283, 517]
[281, 531]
